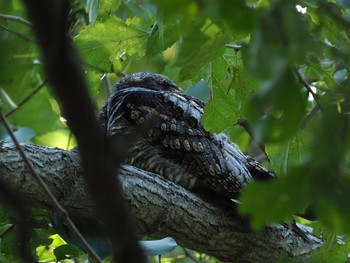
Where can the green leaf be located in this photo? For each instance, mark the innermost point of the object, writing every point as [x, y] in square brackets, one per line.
[238, 15]
[112, 44]
[106, 8]
[331, 248]
[37, 114]
[231, 88]
[280, 39]
[61, 138]
[277, 110]
[290, 153]
[275, 201]
[219, 111]
[209, 37]
[66, 252]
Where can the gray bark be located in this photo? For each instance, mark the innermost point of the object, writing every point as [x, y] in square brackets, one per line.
[160, 208]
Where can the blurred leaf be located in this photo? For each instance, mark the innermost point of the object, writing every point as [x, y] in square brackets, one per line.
[344, 3]
[142, 8]
[92, 7]
[21, 76]
[22, 134]
[106, 8]
[209, 43]
[237, 14]
[158, 247]
[66, 251]
[275, 201]
[37, 114]
[277, 110]
[281, 38]
[290, 153]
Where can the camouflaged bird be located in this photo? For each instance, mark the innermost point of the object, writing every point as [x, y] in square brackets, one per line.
[175, 144]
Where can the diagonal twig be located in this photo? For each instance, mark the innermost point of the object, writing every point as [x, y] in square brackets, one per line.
[63, 213]
[26, 98]
[18, 34]
[16, 19]
[306, 85]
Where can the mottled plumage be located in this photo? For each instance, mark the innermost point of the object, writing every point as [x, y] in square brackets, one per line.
[175, 144]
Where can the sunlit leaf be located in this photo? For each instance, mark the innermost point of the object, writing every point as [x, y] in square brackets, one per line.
[110, 45]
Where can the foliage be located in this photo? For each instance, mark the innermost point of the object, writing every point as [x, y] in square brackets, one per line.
[288, 78]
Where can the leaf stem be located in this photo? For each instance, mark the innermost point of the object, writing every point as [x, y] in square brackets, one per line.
[16, 19]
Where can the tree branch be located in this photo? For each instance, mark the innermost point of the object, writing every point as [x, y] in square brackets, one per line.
[63, 68]
[160, 207]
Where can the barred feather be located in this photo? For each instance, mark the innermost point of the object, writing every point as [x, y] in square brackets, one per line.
[176, 145]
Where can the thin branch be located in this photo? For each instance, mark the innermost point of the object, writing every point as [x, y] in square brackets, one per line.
[306, 85]
[19, 105]
[69, 139]
[16, 19]
[10, 228]
[62, 212]
[246, 126]
[18, 34]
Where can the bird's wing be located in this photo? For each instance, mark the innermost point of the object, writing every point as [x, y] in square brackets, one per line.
[177, 139]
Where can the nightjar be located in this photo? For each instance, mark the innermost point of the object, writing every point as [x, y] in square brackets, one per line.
[175, 143]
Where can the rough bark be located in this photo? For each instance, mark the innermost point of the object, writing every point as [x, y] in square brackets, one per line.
[160, 208]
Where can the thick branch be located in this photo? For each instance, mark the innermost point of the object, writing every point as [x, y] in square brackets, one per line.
[64, 72]
[160, 207]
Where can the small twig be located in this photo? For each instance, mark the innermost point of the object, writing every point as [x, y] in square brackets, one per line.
[62, 212]
[10, 228]
[244, 123]
[188, 254]
[18, 34]
[69, 139]
[306, 85]
[26, 99]
[16, 19]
